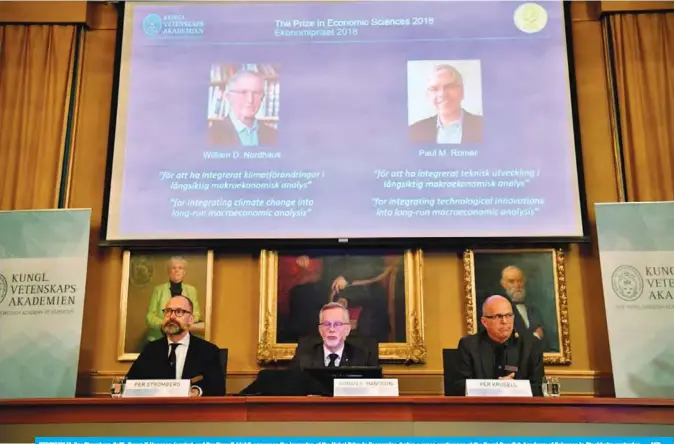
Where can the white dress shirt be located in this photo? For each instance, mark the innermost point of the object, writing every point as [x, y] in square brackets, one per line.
[523, 312]
[327, 353]
[181, 354]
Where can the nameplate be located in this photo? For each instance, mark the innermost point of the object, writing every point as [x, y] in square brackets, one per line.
[365, 387]
[498, 387]
[157, 388]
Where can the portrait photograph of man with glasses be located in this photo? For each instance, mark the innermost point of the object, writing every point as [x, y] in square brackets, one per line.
[243, 105]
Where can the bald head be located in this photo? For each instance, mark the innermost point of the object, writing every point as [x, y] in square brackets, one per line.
[497, 317]
[493, 303]
[512, 281]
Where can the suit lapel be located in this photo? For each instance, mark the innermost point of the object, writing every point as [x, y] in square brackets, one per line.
[347, 355]
[189, 369]
[318, 358]
[486, 359]
[525, 351]
[163, 351]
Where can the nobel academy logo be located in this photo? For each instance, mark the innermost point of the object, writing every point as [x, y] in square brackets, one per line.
[530, 18]
[627, 283]
[3, 288]
[171, 25]
[152, 24]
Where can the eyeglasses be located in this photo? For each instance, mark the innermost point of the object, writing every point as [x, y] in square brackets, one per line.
[179, 312]
[444, 88]
[500, 317]
[327, 324]
[245, 92]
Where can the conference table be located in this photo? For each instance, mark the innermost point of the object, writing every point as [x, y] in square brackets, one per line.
[407, 416]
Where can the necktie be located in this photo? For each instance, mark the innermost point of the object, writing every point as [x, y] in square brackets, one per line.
[172, 359]
[333, 357]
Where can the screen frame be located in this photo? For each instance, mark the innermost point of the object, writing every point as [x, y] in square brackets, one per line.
[427, 243]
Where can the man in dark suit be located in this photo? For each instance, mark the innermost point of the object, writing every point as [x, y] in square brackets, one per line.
[499, 352]
[452, 124]
[245, 93]
[333, 351]
[180, 355]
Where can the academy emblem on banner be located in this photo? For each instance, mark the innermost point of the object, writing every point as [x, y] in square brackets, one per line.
[3, 288]
[627, 283]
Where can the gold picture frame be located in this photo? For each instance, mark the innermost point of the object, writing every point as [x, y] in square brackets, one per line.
[546, 269]
[144, 273]
[411, 350]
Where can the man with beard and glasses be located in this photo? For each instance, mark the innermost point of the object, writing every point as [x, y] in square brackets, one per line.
[528, 318]
[180, 355]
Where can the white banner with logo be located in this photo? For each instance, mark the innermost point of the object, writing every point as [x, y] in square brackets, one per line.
[636, 249]
[43, 268]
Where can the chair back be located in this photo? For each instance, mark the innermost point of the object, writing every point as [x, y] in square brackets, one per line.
[224, 353]
[450, 365]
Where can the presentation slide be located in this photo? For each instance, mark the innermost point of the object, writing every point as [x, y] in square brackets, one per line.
[344, 120]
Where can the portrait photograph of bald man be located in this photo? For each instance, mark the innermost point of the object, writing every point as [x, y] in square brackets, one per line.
[243, 105]
[530, 280]
[444, 101]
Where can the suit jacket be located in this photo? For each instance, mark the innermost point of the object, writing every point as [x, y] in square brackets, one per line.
[353, 356]
[535, 319]
[223, 133]
[160, 297]
[202, 359]
[476, 361]
[425, 131]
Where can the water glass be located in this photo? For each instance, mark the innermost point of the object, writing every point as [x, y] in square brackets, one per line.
[117, 386]
[550, 386]
[544, 386]
[554, 388]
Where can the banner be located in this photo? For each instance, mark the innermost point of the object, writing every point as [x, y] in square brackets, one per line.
[636, 250]
[43, 267]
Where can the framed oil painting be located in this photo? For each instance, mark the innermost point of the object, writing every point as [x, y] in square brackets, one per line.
[149, 280]
[382, 291]
[534, 280]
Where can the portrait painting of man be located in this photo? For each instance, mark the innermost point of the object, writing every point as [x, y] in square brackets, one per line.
[150, 280]
[370, 286]
[530, 280]
[381, 291]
